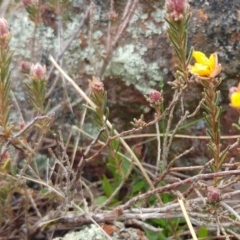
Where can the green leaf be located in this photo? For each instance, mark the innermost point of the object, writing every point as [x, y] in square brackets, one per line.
[202, 232]
[126, 164]
[177, 53]
[212, 149]
[223, 156]
[89, 107]
[139, 186]
[213, 167]
[179, 68]
[236, 126]
[187, 20]
[185, 42]
[107, 188]
[116, 145]
[106, 114]
[189, 56]
[217, 97]
[173, 41]
[100, 200]
[216, 129]
[172, 33]
[171, 25]
[219, 112]
[205, 107]
[207, 118]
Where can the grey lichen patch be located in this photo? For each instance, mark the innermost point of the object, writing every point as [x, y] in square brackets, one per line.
[85, 56]
[22, 31]
[89, 233]
[95, 233]
[151, 22]
[46, 38]
[130, 61]
[129, 64]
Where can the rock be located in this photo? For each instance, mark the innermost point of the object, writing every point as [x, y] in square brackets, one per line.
[215, 27]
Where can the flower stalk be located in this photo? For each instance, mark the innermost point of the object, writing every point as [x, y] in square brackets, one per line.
[37, 87]
[178, 16]
[207, 70]
[5, 61]
[99, 98]
[33, 9]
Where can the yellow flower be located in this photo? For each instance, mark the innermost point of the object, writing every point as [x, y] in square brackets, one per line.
[234, 95]
[205, 67]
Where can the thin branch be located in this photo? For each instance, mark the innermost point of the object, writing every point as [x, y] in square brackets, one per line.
[183, 118]
[68, 43]
[166, 171]
[128, 13]
[230, 209]
[82, 160]
[158, 147]
[170, 187]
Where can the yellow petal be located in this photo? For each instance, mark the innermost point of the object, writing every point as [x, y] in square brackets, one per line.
[212, 62]
[235, 99]
[201, 70]
[216, 71]
[200, 58]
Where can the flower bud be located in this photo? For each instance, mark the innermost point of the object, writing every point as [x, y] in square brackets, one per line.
[213, 194]
[25, 67]
[96, 85]
[37, 72]
[139, 122]
[4, 33]
[22, 125]
[176, 8]
[155, 97]
[112, 15]
[4, 30]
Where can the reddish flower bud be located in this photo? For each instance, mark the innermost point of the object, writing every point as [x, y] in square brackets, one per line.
[4, 30]
[22, 125]
[112, 16]
[138, 122]
[213, 194]
[25, 66]
[4, 33]
[96, 85]
[176, 8]
[37, 71]
[155, 97]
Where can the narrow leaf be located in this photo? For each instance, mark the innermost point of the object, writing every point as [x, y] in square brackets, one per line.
[171, 25]
[107, 188]
[223, 156]
[190, 56]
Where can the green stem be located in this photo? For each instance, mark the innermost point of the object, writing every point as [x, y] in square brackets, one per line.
[212, 111]
[4, 89]
[182, 50]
